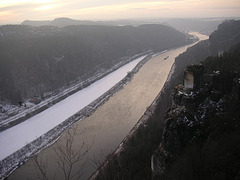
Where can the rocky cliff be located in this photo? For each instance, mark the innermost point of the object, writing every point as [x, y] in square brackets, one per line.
[201, 137]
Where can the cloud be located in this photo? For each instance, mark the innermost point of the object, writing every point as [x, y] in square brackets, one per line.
[27, 6]
[47, 7]
[109, 9]
[4, 15]
[222, 8]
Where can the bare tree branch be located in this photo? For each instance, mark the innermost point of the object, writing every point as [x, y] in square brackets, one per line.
[70, 160]
[42, 167]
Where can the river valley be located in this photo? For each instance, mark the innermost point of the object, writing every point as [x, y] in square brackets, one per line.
[103, 131]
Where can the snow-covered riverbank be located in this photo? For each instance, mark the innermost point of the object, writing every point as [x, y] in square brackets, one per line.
[21, 141]
[10, 115]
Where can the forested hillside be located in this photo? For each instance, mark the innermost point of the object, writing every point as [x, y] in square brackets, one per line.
[204, 26]
[227, 36]
[36, 60]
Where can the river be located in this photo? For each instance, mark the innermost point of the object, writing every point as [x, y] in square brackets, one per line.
[18, 136]
[104, 130]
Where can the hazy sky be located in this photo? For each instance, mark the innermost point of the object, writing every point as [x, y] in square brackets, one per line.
[16, 11]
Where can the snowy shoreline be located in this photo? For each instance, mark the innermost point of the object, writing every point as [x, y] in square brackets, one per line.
[10, 163]
[27, 113]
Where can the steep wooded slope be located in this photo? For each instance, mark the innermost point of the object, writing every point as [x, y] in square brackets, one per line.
[36, 60]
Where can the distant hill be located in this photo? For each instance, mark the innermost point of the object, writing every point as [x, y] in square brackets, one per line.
[205, 26]
[36, 60]
[36, 23]
[62, 22]
[59, 22]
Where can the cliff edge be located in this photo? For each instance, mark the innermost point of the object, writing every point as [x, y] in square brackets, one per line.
[201, 132]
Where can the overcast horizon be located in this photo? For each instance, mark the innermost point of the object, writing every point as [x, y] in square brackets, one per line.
[16, 11]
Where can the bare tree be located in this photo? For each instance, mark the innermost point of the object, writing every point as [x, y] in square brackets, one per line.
[41, 167]
[70, 160]
[96, 162]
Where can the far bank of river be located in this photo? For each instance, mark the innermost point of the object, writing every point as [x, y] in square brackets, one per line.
[105, 129]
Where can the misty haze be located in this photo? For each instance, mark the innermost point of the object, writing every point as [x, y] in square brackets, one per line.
[119, 90]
